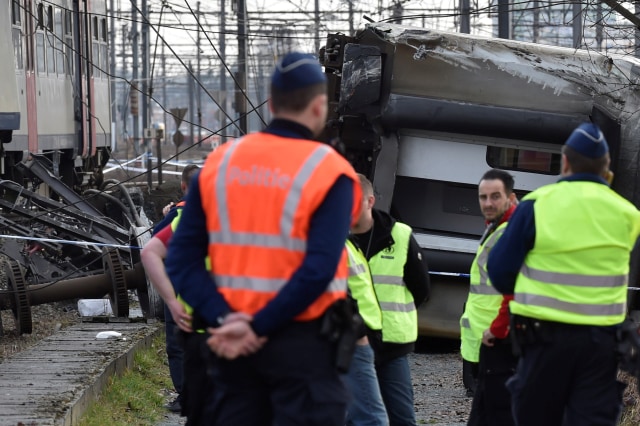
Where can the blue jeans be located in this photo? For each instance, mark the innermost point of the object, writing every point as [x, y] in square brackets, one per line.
[175, 351]
[366, 407]
[394, 377]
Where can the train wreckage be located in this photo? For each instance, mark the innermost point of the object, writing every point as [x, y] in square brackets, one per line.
[66, 246]
[424, 113]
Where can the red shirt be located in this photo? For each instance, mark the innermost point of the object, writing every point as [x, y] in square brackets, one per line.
[165, 235]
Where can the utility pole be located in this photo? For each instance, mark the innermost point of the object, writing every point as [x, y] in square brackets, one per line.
[134, 76]
[145, 89]
[536, 20]
[577, 25]
[223, 73]
[198, 91]
[164, 95]
[397, 12]
[351, 27]
[637, 32]
[112, 73]
[192, 108]
[164, 115]
[316, 19]
[241, 99]
[504, 21]
[123, 115]
[465, 17]
[599, 37]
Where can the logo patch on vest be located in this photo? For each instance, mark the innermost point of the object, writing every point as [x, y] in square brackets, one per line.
[258, 176]
[387, 252]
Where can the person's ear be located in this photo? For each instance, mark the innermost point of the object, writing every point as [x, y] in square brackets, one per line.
[319, 105]
[565, 167]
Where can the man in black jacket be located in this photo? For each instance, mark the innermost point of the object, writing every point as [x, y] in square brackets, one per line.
[401, 282]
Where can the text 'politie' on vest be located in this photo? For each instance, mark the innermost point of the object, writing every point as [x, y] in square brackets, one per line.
[258, 176]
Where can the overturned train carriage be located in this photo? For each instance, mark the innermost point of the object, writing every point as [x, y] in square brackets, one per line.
[424, 114]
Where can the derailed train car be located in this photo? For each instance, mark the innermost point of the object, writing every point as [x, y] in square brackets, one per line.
[425, 113]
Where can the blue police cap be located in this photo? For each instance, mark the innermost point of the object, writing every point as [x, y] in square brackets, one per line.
[588, 140]
[297, 70]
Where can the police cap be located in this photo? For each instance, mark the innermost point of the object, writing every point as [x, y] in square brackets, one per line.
[587, 139]
[297, 70]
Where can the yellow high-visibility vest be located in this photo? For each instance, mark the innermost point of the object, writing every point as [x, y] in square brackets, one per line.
[483, 302]
[361, 287]
[577, 270]
[399, 314]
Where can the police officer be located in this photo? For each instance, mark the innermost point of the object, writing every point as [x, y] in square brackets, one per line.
[491, 401]
[401, 283]
[172, 210]
[272, 210]
[565, 256]
[195, 356]
[153, 256]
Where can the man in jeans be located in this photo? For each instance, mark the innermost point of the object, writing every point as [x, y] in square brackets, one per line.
[366, 407]
[401, 283]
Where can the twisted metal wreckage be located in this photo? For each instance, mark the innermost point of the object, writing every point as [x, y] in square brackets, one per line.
[70, 246]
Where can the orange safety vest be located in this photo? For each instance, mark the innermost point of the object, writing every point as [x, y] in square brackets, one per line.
[259, 194]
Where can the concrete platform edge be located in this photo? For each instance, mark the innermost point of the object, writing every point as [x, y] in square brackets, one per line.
[114, 368]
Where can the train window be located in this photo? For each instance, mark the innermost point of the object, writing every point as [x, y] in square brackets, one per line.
[68, 23]
[15, 12]
[523, 160]
[50, 41]
[16, 33]
[96, 59]
[58, 42]
[103, 48]
[40, 52]
[68, 41]
[40, 16]
[50, 18]
[103, 30]
[95, 28]
[103, 55]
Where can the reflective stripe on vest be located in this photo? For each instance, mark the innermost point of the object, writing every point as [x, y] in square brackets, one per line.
[361, 287]
[399, 315]
[483, 302]
[176, 220]
[576, 272]
[259, 194]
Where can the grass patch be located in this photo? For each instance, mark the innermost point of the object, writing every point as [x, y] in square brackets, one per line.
[138, 396]
[631, 401]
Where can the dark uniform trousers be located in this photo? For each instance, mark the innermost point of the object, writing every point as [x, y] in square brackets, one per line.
[566, 375]
[198, 386]
[491, 400]
[291, 381]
